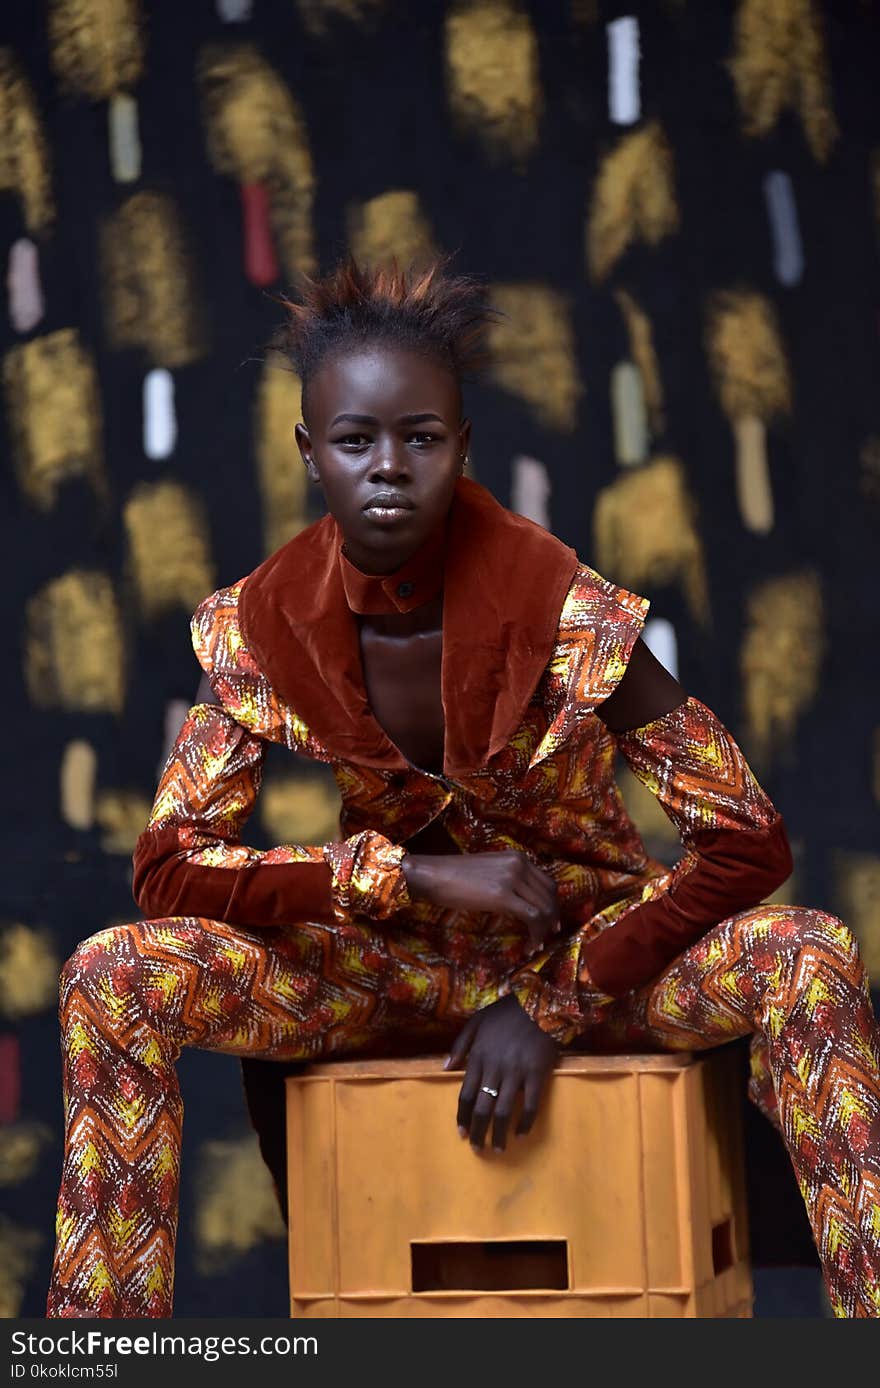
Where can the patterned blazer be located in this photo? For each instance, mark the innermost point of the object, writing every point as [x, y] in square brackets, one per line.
[534, 641]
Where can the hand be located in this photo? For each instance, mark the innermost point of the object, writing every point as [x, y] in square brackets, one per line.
[506, 1051]
[506, 882]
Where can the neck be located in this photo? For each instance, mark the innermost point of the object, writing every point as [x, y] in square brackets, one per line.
[425, 619]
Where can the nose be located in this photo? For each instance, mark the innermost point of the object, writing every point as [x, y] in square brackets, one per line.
[389, 460]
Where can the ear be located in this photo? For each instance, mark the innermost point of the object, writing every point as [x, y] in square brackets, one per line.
[304, 444]
[464, 436]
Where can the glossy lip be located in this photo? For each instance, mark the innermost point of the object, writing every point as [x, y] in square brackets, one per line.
[393, 501]
[385, 514]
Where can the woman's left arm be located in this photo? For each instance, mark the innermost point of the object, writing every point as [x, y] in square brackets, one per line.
[736, 847]
[736, 852]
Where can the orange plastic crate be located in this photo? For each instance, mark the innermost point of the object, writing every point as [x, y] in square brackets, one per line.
[626, 1199]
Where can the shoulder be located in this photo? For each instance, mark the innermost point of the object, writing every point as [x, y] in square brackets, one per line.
[600, 623]
[591, 597]
[598, 628]
[216, 634]
[232, 671]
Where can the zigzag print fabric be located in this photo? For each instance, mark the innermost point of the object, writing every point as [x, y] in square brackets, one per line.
[133, 995]
[379, 966]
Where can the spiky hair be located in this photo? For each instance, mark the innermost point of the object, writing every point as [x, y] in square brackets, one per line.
[426, 309]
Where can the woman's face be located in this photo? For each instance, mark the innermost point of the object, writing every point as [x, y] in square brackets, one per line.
[384, 425]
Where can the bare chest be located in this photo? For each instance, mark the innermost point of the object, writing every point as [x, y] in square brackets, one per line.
[402, 678]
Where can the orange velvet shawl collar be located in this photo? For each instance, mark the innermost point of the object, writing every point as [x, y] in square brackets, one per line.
[504, 580]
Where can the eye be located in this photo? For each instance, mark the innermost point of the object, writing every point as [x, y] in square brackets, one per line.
[424, 437]
[353, 440]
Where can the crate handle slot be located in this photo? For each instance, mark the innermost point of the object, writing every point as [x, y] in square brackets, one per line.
[722, 1246]
[495, 1265]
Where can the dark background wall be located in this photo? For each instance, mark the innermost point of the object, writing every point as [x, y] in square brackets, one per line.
[745, 312]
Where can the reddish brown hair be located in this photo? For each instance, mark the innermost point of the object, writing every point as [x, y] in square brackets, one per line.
[427, 310]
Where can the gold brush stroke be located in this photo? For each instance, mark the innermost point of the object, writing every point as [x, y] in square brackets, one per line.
[633, 198]
[281, 476]
[169, 550]
[25, 166]
[780, 658]
[641, 346]
[149, 282]
[18, 1258]
[236, 1207]
[316, 16]
[858, 893]
[780, 61]
[79, 765]
[54, 409]
[96, 46]
[533, 351]
[645, 533]
[20, 1148]
[302, 809]
[492, 77]
[391, 224]
[122, 815]
[74, 649]
[747, 356]
[256, 133]
[29, 968]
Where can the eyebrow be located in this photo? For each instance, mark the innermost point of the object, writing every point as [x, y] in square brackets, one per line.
[371, 419]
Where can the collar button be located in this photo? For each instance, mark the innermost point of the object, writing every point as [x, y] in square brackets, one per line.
[405, 590]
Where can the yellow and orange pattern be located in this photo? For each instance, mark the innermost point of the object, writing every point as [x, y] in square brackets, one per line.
[382, 965]
[132, 996]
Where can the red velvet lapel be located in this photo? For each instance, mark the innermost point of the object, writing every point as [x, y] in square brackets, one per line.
[505, 580]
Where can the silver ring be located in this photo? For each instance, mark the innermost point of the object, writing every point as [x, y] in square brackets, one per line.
[486, 1090]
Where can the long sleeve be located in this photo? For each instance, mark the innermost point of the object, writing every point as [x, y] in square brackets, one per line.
[189, 860]
[736, 847]
[736, 852]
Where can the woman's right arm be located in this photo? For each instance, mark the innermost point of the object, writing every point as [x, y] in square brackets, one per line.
[190, 861]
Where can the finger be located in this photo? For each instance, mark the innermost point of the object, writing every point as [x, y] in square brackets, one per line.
[510, 1087]
[467, 1095]
[539, 920]
[462, 1044]
[546, 884]
[484, 1107]
[532, 1089]
[540, 888]
[531, 901]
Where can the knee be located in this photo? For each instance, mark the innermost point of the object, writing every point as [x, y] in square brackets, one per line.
[808, 934]
[824, 934]
[93, 958]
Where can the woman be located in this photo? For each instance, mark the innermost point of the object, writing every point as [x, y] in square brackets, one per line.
[468, 680]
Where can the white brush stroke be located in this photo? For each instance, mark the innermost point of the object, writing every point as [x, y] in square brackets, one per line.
[125, 140]
[624, 98]
[659, 636]
[160, 420]
[530, 490]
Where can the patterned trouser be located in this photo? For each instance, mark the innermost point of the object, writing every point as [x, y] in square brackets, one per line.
[133, 995]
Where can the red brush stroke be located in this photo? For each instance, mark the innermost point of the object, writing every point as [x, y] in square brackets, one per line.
[260, 263]
[10, 1079]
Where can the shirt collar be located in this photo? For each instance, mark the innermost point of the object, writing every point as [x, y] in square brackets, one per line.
[504, 583]
[414, 583]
